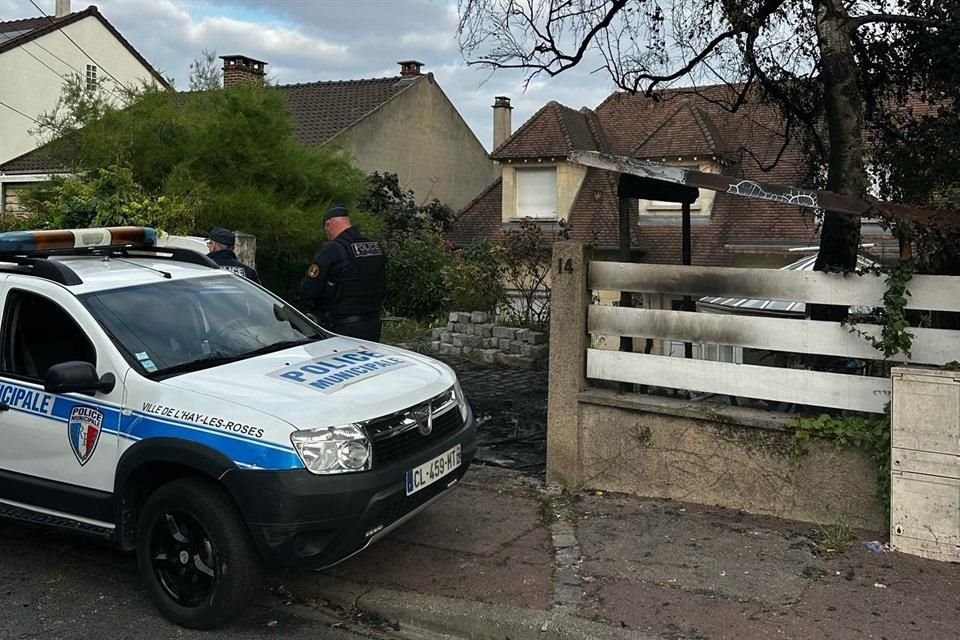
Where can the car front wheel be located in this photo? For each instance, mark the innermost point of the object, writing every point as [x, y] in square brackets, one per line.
[195, 555]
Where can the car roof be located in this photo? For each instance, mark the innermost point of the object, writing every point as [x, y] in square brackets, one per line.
[100, 273]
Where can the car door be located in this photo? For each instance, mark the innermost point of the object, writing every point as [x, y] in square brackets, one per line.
[58, 452]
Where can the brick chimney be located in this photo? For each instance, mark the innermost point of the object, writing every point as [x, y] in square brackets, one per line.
[61, 8]
[242, 70]
[410, 68]
[502, 127]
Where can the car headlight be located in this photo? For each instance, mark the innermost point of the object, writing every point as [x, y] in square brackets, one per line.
[461, 400]
[333, 449]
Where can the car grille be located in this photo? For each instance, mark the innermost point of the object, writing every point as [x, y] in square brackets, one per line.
[403, 505]
[392, 441]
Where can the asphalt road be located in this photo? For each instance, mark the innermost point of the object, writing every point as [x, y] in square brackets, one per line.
[55, 585]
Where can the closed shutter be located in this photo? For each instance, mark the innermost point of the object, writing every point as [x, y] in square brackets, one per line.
[537, 193]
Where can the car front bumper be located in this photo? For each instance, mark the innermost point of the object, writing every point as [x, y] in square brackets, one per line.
[300, 519]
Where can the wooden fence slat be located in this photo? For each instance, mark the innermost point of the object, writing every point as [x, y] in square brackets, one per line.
[937, 293]
[800, 386]
[930, 346]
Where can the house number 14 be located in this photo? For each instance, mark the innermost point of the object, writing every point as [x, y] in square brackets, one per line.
[565, 266]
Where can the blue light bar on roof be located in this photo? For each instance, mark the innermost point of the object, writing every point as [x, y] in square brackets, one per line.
[22, 242]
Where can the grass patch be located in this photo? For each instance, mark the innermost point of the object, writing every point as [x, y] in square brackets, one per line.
[833, 538]
[555, 508]
[409, 331]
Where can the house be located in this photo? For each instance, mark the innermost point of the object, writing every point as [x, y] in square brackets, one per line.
[38, 54]
[403, 124]
[679, 128]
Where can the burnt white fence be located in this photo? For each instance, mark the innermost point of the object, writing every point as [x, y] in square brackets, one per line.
[800, 386]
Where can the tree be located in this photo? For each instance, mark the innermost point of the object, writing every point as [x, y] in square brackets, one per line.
[226, 157]
[205, 73]
[835, 68]
[396, 208]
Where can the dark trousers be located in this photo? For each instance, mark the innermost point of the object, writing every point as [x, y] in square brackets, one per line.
[360, 327]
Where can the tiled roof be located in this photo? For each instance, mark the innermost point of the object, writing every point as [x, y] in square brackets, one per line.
[480, 219]
[554, 130]
[14, 33]
[321, 110]
[37, 161]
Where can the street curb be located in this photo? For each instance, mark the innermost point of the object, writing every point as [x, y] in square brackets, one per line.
[467, 619]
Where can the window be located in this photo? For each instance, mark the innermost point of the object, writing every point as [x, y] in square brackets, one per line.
[38, 334]
[537, 192]
[216, 319]
[91, 77]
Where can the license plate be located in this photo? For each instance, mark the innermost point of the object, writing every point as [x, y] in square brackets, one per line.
[429, 472]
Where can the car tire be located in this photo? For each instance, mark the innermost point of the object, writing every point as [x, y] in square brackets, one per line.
[195, 555]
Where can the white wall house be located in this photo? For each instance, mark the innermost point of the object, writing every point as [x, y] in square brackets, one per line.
[37, 54]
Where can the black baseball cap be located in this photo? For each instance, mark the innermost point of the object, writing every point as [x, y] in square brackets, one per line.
[223, 236]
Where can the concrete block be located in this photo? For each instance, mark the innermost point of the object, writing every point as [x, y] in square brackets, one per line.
[446, 336]
[435, 333]
[454, 316]
[472, 341]
[504, 332]
[536, 337]
[470, 329]
[489, 356]
[522, 334]
[450, 350]
[458, 339]
[479, 317]
[450, 326]
[515, 346]
[468, 350]
[435, 345]
[504, 344]
[463, 318]
[485, 330]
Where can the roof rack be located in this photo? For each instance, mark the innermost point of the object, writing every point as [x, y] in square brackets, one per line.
[29, 250]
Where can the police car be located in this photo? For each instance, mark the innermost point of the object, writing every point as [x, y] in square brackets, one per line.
[189, 415]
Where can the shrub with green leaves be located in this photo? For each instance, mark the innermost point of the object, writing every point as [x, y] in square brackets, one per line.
[474, 279]
[416, 262]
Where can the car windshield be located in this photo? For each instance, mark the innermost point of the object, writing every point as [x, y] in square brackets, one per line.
[185, 325]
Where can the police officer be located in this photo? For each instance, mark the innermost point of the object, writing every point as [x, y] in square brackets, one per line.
[346, 282]
[221, 242]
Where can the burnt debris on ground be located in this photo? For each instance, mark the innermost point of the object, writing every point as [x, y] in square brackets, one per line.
[511, 410]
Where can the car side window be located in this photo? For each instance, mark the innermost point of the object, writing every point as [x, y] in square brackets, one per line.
[37, 334]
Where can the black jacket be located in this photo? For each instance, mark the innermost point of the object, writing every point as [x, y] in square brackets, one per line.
[227, 260]
[347, 276]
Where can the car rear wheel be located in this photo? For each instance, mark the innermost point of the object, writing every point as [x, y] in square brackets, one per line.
[195, 555]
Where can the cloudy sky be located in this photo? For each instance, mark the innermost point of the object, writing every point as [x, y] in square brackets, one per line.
[310, 40]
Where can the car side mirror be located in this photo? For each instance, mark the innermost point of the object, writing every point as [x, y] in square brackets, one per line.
[77, 376]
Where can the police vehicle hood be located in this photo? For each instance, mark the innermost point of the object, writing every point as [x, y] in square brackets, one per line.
[330, 382]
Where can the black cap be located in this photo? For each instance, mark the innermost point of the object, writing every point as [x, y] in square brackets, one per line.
[223, 236]
[339, 210]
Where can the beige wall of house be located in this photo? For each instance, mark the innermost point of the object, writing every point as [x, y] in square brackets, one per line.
[569, 180]
[30, 87]
[420, 136]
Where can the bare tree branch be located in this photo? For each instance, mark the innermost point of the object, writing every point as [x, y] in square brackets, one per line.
[890, 18]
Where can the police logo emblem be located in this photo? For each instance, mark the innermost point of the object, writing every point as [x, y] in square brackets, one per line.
[83, 431]
[424, 417]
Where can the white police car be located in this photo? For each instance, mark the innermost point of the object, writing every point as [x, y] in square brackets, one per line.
[149, 398]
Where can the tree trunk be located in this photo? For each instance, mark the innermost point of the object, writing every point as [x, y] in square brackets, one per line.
[840, 236]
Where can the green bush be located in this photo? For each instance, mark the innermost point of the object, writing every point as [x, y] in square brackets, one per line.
[416, 262]
[474, 280]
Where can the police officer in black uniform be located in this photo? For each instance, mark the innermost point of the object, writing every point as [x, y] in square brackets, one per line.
[346, 282]
[221, 242]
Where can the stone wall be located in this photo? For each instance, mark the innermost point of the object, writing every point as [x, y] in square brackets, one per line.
[475, 335]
